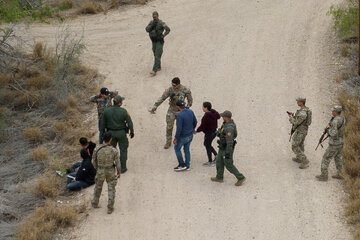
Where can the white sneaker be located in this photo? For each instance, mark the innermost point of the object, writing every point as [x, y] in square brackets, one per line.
[179, 168]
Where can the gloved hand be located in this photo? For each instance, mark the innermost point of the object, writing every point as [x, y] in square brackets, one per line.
[132, 135]
[227, 155]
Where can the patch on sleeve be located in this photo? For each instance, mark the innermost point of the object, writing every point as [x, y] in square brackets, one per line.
[229, 134]
[164, 25]
[128, 113]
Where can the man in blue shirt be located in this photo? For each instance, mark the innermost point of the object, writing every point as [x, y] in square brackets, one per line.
[185, 126]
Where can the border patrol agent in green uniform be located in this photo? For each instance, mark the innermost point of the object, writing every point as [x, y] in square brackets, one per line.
[156, 29]
[227, 134]
[336, 130]
[118, 121]
[105, 161]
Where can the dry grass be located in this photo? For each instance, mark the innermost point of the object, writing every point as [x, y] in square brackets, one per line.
[47, 185]
[38, 51]
[88, 7]
[351, 155]
[45, 220]
[39, 154]
[34, 134]
[39, 82]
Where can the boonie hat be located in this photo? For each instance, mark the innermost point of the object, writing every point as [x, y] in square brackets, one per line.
[180, 103]
[301, 99]
[104, 91]
[226, 114]
[336, 109]
[155, 13]
[118, 99]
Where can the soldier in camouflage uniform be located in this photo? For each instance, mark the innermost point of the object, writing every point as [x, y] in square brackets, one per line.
[300, 121]
[335, 130]
[174, 93]
[156, 29]
[105, 161]
[227, 134]
[103, 100]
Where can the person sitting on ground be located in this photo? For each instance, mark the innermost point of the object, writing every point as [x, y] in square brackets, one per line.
[89, 147]
[84, 177]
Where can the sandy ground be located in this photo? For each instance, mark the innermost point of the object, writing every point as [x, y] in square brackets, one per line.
[251, 57]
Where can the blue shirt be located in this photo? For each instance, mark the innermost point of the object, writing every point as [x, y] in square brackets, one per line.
[185, 124]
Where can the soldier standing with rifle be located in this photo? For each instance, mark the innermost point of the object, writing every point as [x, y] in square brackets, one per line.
[335, 131]
[174, 93]
[300, 121]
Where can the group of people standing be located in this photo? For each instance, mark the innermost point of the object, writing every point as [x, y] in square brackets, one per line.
[115, 123]
[335, 130]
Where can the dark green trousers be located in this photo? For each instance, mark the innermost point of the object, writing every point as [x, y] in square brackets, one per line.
[157, 48]
[119, 138]
[221, 161]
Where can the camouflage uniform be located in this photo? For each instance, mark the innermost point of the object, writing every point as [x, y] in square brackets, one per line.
[336, 144]
[227, 134]
[174, 95]
[101, 105]
[105, 161]
[300, 126]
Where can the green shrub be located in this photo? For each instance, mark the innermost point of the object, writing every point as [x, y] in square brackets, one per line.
[346, 19]
[13, 11]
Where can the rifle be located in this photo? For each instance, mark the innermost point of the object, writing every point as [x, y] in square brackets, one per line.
[323, 138]
[292, 130]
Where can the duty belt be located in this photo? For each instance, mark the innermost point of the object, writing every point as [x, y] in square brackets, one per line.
[116, 129]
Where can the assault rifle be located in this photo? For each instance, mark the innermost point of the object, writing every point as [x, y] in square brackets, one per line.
[292, 129]
[324, 136]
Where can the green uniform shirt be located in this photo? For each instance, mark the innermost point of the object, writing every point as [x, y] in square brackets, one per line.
[156, 30]
[336, 131]
[116, 118]
[227, 134]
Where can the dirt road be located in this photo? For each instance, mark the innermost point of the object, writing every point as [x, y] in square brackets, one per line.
[253, 57]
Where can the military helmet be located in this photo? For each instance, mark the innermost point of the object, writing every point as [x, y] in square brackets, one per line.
[155, 13]
[336, 109]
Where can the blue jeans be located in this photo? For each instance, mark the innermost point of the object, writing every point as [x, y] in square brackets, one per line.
[186, 143]
[100, 131]
[75, 185]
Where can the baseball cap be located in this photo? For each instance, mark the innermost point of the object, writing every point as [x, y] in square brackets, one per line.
[118, 98]
[301, 99]
[336, 108]
[104, 91]
[180, 103]
[226, 114]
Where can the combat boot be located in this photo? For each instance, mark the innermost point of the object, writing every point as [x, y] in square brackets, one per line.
[296, 160]
[110, 210]
[167, 145]
[215, 179]
[322, 177]
[304, 165]
[152, 73]
[240, 182]
[94, 205]
[338, 176]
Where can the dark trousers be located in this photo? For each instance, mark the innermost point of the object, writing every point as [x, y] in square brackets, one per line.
[208, 138]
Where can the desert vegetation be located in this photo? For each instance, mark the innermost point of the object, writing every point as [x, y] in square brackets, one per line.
[43, 10]
[42, 116]
[346, 26]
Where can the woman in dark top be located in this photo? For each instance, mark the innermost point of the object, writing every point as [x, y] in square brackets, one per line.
[85, 176]
[208, 126]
